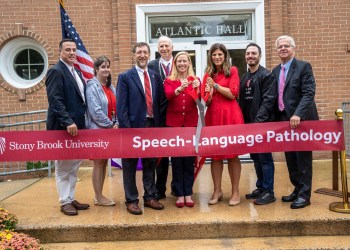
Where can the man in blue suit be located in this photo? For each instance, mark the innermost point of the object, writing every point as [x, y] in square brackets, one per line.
[65, 89]
[296, 103]
[139, 96]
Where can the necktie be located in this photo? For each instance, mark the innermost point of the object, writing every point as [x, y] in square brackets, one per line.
[167, 69]
[148, 94]
[80, 84]
[282, 83]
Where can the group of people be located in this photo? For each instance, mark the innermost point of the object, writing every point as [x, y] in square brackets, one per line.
[159, 94]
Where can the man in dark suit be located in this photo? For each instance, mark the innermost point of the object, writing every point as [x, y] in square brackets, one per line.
[65, 92]
[296, 103]
[139, 96]
[163, 66]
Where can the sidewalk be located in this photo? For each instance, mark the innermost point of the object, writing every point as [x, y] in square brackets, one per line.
[39, 215]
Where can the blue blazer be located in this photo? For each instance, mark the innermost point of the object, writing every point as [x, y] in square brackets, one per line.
[66, 105]
[131, 100]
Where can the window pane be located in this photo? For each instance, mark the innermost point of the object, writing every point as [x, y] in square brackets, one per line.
[36, 70]
[29, 64]
[35, 57]
[22, 71]
[22, 57]
[238, 60]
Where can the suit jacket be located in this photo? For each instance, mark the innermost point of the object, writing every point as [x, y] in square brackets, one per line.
[155, 66]
[66, 104]
[182, 109]
[299, 91]
[131, 99]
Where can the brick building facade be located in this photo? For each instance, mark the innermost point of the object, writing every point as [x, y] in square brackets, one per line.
[110, 27]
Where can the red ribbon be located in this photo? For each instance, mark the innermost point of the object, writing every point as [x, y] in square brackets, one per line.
[193, 92]
[160, 142]
[205, 95]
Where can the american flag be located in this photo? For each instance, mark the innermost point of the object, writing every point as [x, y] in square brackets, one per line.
[84, 62]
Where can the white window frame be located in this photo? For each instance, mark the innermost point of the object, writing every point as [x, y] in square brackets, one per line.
[256, 7]
[7, 57]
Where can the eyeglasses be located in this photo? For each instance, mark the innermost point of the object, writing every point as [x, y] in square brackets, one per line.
[286, 46]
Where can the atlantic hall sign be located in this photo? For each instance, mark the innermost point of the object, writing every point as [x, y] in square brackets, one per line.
[237, 27]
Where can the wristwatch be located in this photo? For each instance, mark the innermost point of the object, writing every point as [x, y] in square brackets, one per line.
[216, 86]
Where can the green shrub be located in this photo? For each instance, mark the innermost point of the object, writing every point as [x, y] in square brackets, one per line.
[36, 165]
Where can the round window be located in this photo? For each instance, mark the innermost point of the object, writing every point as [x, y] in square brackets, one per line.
[23, 62]
[29, 64]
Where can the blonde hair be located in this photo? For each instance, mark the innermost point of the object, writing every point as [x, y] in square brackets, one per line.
[174, 74]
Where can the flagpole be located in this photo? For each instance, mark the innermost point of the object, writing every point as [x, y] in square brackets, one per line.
[62, 9]
[61, 3]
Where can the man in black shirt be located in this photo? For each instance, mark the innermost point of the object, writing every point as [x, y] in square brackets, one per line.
[258, 95]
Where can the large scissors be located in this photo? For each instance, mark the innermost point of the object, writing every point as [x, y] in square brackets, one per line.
[193, 92]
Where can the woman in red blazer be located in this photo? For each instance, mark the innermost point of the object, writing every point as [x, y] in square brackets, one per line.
[182, 112]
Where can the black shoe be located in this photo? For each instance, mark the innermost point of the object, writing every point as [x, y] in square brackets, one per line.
[255, 194]
[290, 198]
[265, 199]
[160, 196]
[300, 203]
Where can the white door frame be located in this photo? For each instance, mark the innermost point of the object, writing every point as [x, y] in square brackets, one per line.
[256, 7]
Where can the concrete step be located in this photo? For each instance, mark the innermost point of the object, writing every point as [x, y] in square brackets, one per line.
[254, 243]
[39, 213]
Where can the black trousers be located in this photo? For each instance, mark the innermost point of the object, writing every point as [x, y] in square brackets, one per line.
[299, 165]
[183, 175]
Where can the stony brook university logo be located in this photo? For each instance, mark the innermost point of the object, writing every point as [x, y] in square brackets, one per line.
[2, 145]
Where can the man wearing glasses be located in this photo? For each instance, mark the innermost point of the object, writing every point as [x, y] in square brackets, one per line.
[296, 102]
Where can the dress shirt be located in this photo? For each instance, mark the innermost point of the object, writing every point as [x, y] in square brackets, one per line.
[142, 78]
[141, 75]
[76, 77]
[165, 63]
[286, 69]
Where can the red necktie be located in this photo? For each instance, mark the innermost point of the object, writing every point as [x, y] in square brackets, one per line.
[282, 82]
[148, 94]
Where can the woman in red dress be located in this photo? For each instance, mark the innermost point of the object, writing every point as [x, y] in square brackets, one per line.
[182, 112]
[222, 82]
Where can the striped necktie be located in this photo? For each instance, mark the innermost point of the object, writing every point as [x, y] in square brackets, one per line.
[282, 83]
[148, 94]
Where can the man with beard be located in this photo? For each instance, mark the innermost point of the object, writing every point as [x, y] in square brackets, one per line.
[139, 95]
[163, 66]
[258, 95]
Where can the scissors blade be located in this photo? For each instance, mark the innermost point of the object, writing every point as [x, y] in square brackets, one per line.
[200, 123]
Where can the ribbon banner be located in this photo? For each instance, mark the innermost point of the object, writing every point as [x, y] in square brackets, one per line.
[160, 142]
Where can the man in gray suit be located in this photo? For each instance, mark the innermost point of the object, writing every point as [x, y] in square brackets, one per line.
[65, 89]
[296, 103]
